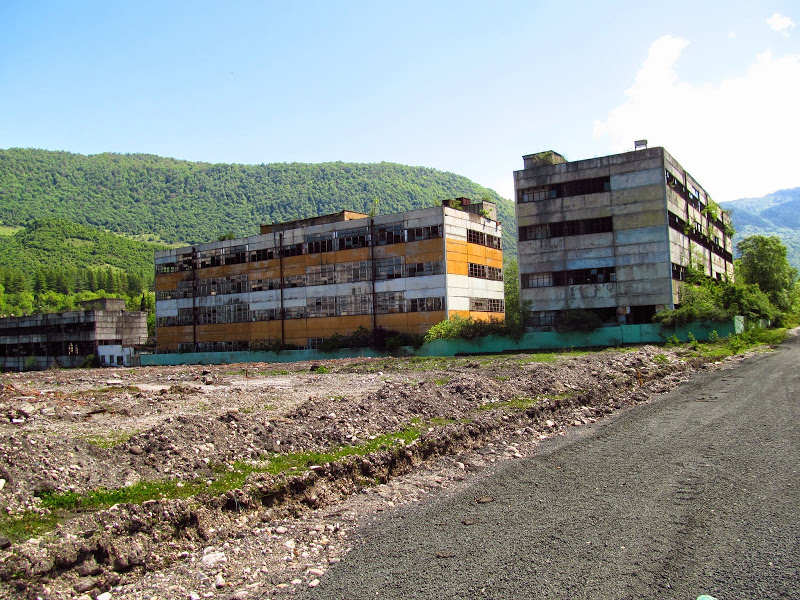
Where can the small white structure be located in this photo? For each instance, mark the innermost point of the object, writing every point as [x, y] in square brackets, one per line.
[117, 356]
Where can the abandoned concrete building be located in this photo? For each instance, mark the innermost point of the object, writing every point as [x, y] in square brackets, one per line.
[102, 328]
[303, 281]
[614, 235]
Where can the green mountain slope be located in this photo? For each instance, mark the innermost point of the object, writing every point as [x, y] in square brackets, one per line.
[774, 214]
[58, 243]
[169, 200]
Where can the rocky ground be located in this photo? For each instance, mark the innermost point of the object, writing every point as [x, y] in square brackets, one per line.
[418, 425]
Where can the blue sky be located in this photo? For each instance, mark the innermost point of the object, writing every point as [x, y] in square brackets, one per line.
[467, 87]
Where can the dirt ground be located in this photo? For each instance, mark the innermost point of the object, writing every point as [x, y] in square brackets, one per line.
[74, 431]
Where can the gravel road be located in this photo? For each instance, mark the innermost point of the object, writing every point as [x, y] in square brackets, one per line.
[694, 493]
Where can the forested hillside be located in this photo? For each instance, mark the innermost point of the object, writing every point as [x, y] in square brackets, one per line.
[52, 264]
[774, 214]
[56, 244]
[167, 200]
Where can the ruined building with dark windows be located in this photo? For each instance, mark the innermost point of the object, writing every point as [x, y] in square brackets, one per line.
[300, 282]
[101, 328]
[614, 235]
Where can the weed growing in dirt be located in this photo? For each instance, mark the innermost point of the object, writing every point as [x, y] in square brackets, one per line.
[109, 389]
[101, 498]
[735, 344]
[110, 440]
[661, 358]
[227, 477]
[441, 381]
[320, 370]
[539, 357]
[440, 421]
[27, 525]
[278, 372]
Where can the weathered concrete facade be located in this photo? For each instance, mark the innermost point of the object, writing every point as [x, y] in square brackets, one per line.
[614, 234]
[67, 339]
[303, 281]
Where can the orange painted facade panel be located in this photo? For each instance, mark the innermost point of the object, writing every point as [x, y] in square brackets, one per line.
[265, 330]
[476, 253]
[169, 337]
[494, 258]
[169, 281]
[487, 316]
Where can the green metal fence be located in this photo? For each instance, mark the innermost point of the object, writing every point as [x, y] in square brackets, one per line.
[622, 335]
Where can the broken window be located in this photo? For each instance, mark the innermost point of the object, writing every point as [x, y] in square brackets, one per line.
[389, 268]
[535, 280]
[389, 302]
[487, 304]
[163, 268]
[475, 270]
[392, 233]
[424, 233]
[579, 187]
[350, 239]
[542, 318]
[425, 304]
[424, 268]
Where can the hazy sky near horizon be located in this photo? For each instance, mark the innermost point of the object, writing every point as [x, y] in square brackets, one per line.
[467, 86]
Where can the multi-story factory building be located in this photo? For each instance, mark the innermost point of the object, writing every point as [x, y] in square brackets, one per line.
[303, 281]
[100, 328]
[614, 234]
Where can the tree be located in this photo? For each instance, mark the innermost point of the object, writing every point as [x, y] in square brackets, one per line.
[514, 316]
[763, 262]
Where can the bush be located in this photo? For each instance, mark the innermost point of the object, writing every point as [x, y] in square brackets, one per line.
[698, 303]
[457, 327]
[379, 339]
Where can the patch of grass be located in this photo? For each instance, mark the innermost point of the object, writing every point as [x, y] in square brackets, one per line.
[225, 478]
[109, 389]
[111, 439]
[440, 421]
[661, 358]
[735, 344]
[101, 498]
[281, 463]
[442, 381]
[320, 370]
[545, 357]
[27, 525]
[278, 372]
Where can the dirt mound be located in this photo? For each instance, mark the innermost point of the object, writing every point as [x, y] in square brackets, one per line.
[78, 431]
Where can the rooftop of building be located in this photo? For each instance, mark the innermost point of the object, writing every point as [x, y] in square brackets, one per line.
[551, 158]
[482, 207]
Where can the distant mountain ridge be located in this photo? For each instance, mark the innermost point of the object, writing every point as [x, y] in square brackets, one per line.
[166, 200]
[774, 214]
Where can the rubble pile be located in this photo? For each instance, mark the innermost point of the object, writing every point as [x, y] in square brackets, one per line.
[81, 430]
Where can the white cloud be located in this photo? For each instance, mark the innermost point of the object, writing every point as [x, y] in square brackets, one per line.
[738, 137]
[732, 35]
[781, 24]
